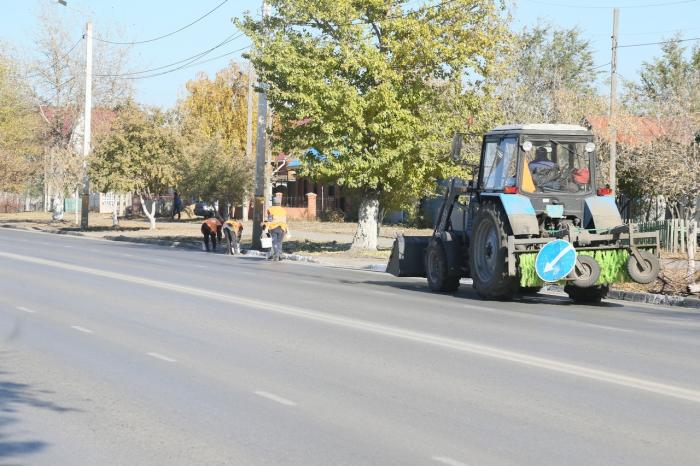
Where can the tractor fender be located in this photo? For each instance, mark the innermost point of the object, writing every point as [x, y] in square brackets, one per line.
[521, 215]
[602, 212]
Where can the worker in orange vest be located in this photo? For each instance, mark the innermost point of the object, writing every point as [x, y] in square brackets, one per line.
[276, 227]
[233, 229]
[211, 231]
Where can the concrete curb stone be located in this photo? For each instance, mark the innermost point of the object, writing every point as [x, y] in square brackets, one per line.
[647, 298]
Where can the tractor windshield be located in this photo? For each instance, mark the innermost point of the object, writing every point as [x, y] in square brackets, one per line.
[557, 166]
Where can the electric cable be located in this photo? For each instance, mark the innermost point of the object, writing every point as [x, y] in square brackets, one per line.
[196, 56]
[658, 43]
[642, 5]
[164, 35]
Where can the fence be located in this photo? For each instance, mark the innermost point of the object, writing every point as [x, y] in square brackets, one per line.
[673, 233]
[13, 203]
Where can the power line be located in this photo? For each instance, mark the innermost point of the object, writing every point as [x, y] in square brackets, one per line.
[194, 57]
[660, 42]
[63, 57]
[600, 66]
[164, 35]
[187, 65]
[642, 5]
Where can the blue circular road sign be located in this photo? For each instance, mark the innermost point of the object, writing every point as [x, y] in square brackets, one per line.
[555, 260]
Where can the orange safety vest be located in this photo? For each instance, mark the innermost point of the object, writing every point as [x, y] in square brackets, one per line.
[279, 218]
[234, 225]
[214, 224]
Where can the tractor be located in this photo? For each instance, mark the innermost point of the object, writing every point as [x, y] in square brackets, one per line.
[535, 184]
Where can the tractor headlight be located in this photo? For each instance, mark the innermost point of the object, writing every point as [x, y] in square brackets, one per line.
[590, 147]
[527, 146]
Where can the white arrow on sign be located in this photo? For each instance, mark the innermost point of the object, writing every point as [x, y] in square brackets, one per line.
[550, 265]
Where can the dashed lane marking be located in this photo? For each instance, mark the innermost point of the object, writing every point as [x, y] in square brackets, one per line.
[448, 461]
[161, 357]
[462, 346]
[81, 329]
[277, 398]
[25, 309]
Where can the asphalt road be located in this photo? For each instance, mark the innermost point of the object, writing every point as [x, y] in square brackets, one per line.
[115, 353]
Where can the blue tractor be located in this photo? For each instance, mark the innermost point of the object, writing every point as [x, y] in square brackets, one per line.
[536, 184]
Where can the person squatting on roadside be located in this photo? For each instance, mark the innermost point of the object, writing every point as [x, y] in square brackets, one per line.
[276, 226]
[211, 230]
[233, 230]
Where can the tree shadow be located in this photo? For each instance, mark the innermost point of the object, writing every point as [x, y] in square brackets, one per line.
[12, 397]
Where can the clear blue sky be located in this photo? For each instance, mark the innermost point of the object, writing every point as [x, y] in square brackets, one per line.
[639, 23]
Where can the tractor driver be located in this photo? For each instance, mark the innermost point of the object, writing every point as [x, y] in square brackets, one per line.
[545, 172]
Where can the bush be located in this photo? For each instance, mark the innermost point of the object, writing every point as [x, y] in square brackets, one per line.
[333, 215]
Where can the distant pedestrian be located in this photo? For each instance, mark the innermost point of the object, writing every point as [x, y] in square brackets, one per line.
[233, 230]
[211, 231]
[177, 206]
[276, 226]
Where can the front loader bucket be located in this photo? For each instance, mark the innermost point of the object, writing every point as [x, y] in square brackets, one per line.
[407, 256]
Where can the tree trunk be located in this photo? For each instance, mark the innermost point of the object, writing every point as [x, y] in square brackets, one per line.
[152, 214]
[691, 245]
[115, 211]
[244, 207]
[367, 224]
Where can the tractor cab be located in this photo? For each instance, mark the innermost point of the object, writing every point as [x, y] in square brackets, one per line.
[553, 166]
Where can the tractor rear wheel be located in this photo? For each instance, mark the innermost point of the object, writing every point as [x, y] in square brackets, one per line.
[488, 255]
[590, 295]
[436, 269]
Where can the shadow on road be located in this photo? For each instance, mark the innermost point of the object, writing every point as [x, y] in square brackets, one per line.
[468, 293]
[14, 396]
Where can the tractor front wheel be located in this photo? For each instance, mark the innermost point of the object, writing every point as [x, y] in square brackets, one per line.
[646, 271]
[436, 270]
[590, 295]
[488, 255]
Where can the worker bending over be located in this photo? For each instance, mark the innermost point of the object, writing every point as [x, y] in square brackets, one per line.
[233, 230]
[276, 226]
[211, 230]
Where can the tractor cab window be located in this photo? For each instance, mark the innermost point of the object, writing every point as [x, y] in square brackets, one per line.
[499, 163]
[558, 166]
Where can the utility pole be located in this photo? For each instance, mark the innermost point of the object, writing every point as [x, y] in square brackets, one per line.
[260, 152]
[612, 123]
[249, 133]
[87, 132]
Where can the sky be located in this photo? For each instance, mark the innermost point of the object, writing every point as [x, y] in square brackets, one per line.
[641, 21]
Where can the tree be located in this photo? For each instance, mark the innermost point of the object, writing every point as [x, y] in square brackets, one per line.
[18, 131]
[368, 80]
[139, 155]
[213, 120]
[669, 92]
[56, 78]
[549, 77]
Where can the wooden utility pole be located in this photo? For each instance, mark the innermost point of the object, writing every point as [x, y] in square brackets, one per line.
[260, 152]
[612, 123]
[87, 127]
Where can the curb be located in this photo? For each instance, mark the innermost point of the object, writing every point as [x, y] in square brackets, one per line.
[156, 242]
[289, 257]
[646, 298]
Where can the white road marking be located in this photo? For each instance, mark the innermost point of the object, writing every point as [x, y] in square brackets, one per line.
[24, 309]
[273, 397]
[605, 327]
[67, 246]
[448, 461]
[576, 370]
[81, 329]
[161, 357]
[127, 255]
[683, 323]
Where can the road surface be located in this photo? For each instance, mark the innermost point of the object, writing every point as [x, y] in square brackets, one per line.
[115, 353]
